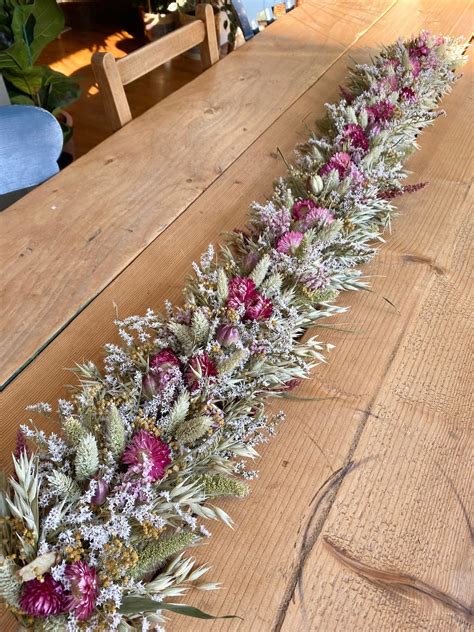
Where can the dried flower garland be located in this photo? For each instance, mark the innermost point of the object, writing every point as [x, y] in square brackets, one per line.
[95, 520]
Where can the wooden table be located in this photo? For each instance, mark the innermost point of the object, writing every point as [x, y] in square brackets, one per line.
[120, 227]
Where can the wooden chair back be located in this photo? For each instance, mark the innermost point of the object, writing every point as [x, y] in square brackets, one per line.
[113, 74]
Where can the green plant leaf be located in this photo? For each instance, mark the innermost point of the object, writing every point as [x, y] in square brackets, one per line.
[37, 25]
[15, 57]
[136, 605]
[21, 99]
[58, 91]
[28, 81]
[45, 87]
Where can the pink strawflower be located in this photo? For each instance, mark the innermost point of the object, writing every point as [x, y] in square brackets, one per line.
[258, 308]
[84, 589]
[241, 290]
[146, 453]
[289, 242]
[315, 216]
[380, 112]
[164, 366]
[340, 162]
[356, 136]
[164, 360]
[407, 94]
[202, 365]
[42, 598]
[301, 208]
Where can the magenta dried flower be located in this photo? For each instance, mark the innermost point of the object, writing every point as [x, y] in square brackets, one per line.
[356, 136]
[84, 589]
[258, 308]
[42, 598]
[289, 242]
[164, 366]
[380, 112]
[164, 360]
[201, 365]
[339, 162]
[317, 215]
[407, 94]
[301, 208]
[146, 453]
[241, 290]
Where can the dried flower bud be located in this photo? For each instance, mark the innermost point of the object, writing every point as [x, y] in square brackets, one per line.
[316, 184]
[227, 335]
[150, 385]
[100, 493]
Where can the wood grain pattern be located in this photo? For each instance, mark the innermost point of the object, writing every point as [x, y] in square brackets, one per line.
[64, 242]
[399, 382]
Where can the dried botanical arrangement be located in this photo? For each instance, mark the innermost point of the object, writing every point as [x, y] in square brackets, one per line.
[97, 518]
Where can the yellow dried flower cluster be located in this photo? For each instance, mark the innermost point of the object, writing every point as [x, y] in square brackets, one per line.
[118, 558]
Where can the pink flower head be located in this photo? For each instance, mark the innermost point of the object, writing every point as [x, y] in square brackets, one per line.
[339, 162]
[315, 216]
[42, 598]
[84, 589]
[258, 308]
[289, 242]
[407, 94]
[241, 290]
[380, 112]
[202, 365]
[356, 136]
[146, 453]
[164, 366]
[164, 360]
[301, 208]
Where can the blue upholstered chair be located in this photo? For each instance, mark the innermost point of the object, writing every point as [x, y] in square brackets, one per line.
[31, 141]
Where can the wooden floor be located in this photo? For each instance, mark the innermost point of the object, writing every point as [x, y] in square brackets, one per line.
[71, 54]
[361, 518]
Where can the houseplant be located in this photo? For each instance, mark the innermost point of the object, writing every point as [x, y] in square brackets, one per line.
[26, 27]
